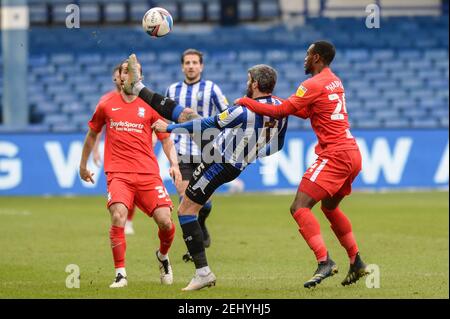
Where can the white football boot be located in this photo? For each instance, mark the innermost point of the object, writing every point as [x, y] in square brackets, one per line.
[199, 282]
[165, 270]
[119, 282]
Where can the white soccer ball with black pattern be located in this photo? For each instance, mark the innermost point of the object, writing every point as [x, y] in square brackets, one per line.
[157, 22]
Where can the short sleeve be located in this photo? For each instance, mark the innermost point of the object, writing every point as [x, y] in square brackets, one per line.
[162, 136]
[219, 99]
[98, 119]
[306, 94]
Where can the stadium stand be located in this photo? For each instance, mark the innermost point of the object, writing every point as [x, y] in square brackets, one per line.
[394, 78]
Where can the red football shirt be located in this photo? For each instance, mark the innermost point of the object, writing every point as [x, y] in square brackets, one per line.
[128, 138]
[320, 98]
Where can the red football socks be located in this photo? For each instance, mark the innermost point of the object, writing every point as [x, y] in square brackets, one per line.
[342, 228]
[118, 245]
[309, 228]
[131, 214]
[166, 238]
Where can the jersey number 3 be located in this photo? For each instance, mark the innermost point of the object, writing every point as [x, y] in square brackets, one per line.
[340, 110]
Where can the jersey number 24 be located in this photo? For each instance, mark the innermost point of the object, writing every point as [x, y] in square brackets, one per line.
[340, 110]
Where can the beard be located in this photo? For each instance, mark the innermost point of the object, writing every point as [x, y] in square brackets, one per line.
[249, 91]
[307, 68]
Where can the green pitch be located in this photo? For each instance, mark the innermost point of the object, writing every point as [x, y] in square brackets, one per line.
[256, 250]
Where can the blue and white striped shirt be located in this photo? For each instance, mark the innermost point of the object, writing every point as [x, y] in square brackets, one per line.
[206, 98]
[246, 136]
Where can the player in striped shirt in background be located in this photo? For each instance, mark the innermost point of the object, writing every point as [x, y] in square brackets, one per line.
[206, 99]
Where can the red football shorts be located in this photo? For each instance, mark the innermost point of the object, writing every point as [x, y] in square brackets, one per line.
[331, 174]
[147, 191]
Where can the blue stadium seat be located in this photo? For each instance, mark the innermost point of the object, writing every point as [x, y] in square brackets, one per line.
[46, 107]
[59, 89]
[268, 9]
[436, 54]
[59, 13]
[37, 128]
[415, 113]
[250, 56]
[81, 118]
[69, 70]
[38, 13]
[52, 119]
[277, 56]
[192, 11]
[397, 123]
[388, 113]
[90, 59]
[89, 13]
[63, 99]
[86, 88]
[170, 6]
[100, 69]
[425, 123]
[392, 65]
[370, 124]
[412, 83]
[368, 93]
[213, 10]
[74, 107]
[357, 55]
[64, 128]
[382, 55]
[403, 103]
[115, 12]
[81, 78]
[246, 10]
[38, 60]
[410, 54]
[138, 9]
[438, 83]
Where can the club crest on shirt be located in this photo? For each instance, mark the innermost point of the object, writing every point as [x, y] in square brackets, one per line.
[141, 112]
[223, 115]
[199, 95]
[301, 91]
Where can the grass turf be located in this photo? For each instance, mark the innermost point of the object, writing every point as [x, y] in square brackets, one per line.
[256, 250]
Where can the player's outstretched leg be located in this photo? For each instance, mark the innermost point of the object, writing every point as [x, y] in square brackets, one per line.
[128, 86]
[202, 216]
[165, 106]
[324, 270]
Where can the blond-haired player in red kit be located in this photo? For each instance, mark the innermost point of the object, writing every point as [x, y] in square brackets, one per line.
[132, 173]
[321, 98]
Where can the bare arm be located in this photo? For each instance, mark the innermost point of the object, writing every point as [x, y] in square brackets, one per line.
[96, 151]
[171, 154]
[89, 142]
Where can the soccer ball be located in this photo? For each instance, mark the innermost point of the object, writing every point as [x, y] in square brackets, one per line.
[157, 22]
